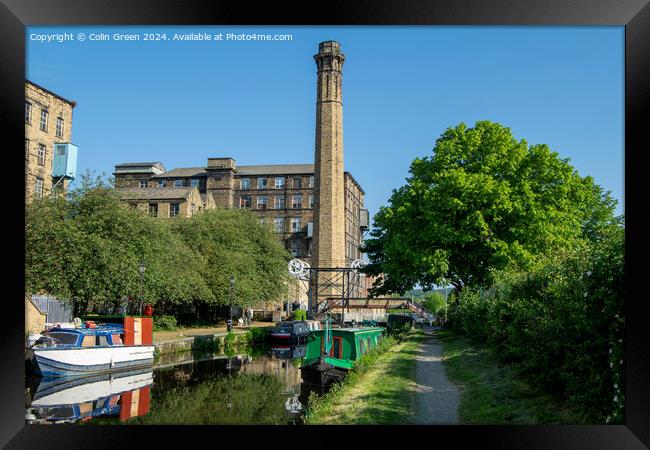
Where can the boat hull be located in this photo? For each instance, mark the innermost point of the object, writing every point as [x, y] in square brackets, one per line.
[78, 361]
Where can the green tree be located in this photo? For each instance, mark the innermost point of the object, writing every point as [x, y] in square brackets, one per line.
[87, 249]
[234, 244]
[434, 302]
[482, 201]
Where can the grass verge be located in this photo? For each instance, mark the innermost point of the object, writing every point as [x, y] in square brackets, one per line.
[379, 390]
[494, 393]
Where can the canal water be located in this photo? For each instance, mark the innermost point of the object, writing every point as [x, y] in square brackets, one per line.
[261, 386]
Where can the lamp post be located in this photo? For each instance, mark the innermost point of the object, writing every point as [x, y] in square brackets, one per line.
[141, 268]
[232, 289]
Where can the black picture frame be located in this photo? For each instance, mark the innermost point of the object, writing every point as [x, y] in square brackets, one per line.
[633, 14]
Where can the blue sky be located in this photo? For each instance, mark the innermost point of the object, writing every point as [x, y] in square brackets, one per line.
[180, 102]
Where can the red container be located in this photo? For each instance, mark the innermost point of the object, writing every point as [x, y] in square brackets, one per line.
[138, 331]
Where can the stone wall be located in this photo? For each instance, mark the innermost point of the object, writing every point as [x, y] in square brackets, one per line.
[40, 99]
[34, 318]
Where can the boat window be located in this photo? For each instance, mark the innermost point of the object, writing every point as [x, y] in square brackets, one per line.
[117, 340]
[362, 347]
[89, 341]
[102, 340]
[336, 348]
[62, 338]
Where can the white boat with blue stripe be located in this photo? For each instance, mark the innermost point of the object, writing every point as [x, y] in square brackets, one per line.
[78, 351]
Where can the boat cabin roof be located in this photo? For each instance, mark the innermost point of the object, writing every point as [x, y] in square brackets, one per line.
[101, 330]
[357, 329]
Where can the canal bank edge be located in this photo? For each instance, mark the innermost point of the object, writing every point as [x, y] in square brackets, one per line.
[381, 390]
[204, 343]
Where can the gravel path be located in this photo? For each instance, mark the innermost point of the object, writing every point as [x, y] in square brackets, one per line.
[437, 399]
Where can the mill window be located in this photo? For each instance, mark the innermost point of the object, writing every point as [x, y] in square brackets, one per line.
[245, 201]
[41, 154]
[144, 183]
[174, 209]
[28, 113]
[279, 182]
[296, 201]
[262, 183]
[38, 187]
[261, 202]
[296, 224]
[244, 183]
[153, 209]
[44, 119]
[278, 222]
[295, 248]
[59, 127]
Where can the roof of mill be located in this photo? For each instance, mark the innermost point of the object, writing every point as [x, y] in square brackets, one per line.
[155, 193]
[182, 172]
[276, 169]
[70, 102]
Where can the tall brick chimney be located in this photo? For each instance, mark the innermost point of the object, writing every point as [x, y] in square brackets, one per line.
[329, 212]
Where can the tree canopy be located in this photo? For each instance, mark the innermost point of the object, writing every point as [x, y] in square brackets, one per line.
[87, 248]
[482, 201]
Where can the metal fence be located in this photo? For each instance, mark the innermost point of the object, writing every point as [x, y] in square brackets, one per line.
[55, 310]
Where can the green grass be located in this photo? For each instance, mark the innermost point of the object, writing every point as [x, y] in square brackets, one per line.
[494, 393]
[378, 391]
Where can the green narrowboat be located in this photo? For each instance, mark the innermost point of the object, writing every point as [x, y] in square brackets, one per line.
[345, 347]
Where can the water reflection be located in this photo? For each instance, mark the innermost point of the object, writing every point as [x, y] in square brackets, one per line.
[263, 387]
[65, 400]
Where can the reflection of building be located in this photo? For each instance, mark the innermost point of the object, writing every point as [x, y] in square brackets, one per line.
[49, 156]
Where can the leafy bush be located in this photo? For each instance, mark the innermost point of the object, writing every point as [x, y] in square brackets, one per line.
[164, 323]
[563, 322]
[257, 335]
[300, 314]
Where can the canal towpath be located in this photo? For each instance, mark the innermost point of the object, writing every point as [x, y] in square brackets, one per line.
[437, 399]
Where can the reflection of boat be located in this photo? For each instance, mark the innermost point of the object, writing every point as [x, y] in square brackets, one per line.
[106, 348]
[292, 405]
[81, 398]
[289, 351]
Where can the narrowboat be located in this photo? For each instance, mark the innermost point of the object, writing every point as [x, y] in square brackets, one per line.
[86, 350]
[295, 331]
[341, 348]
